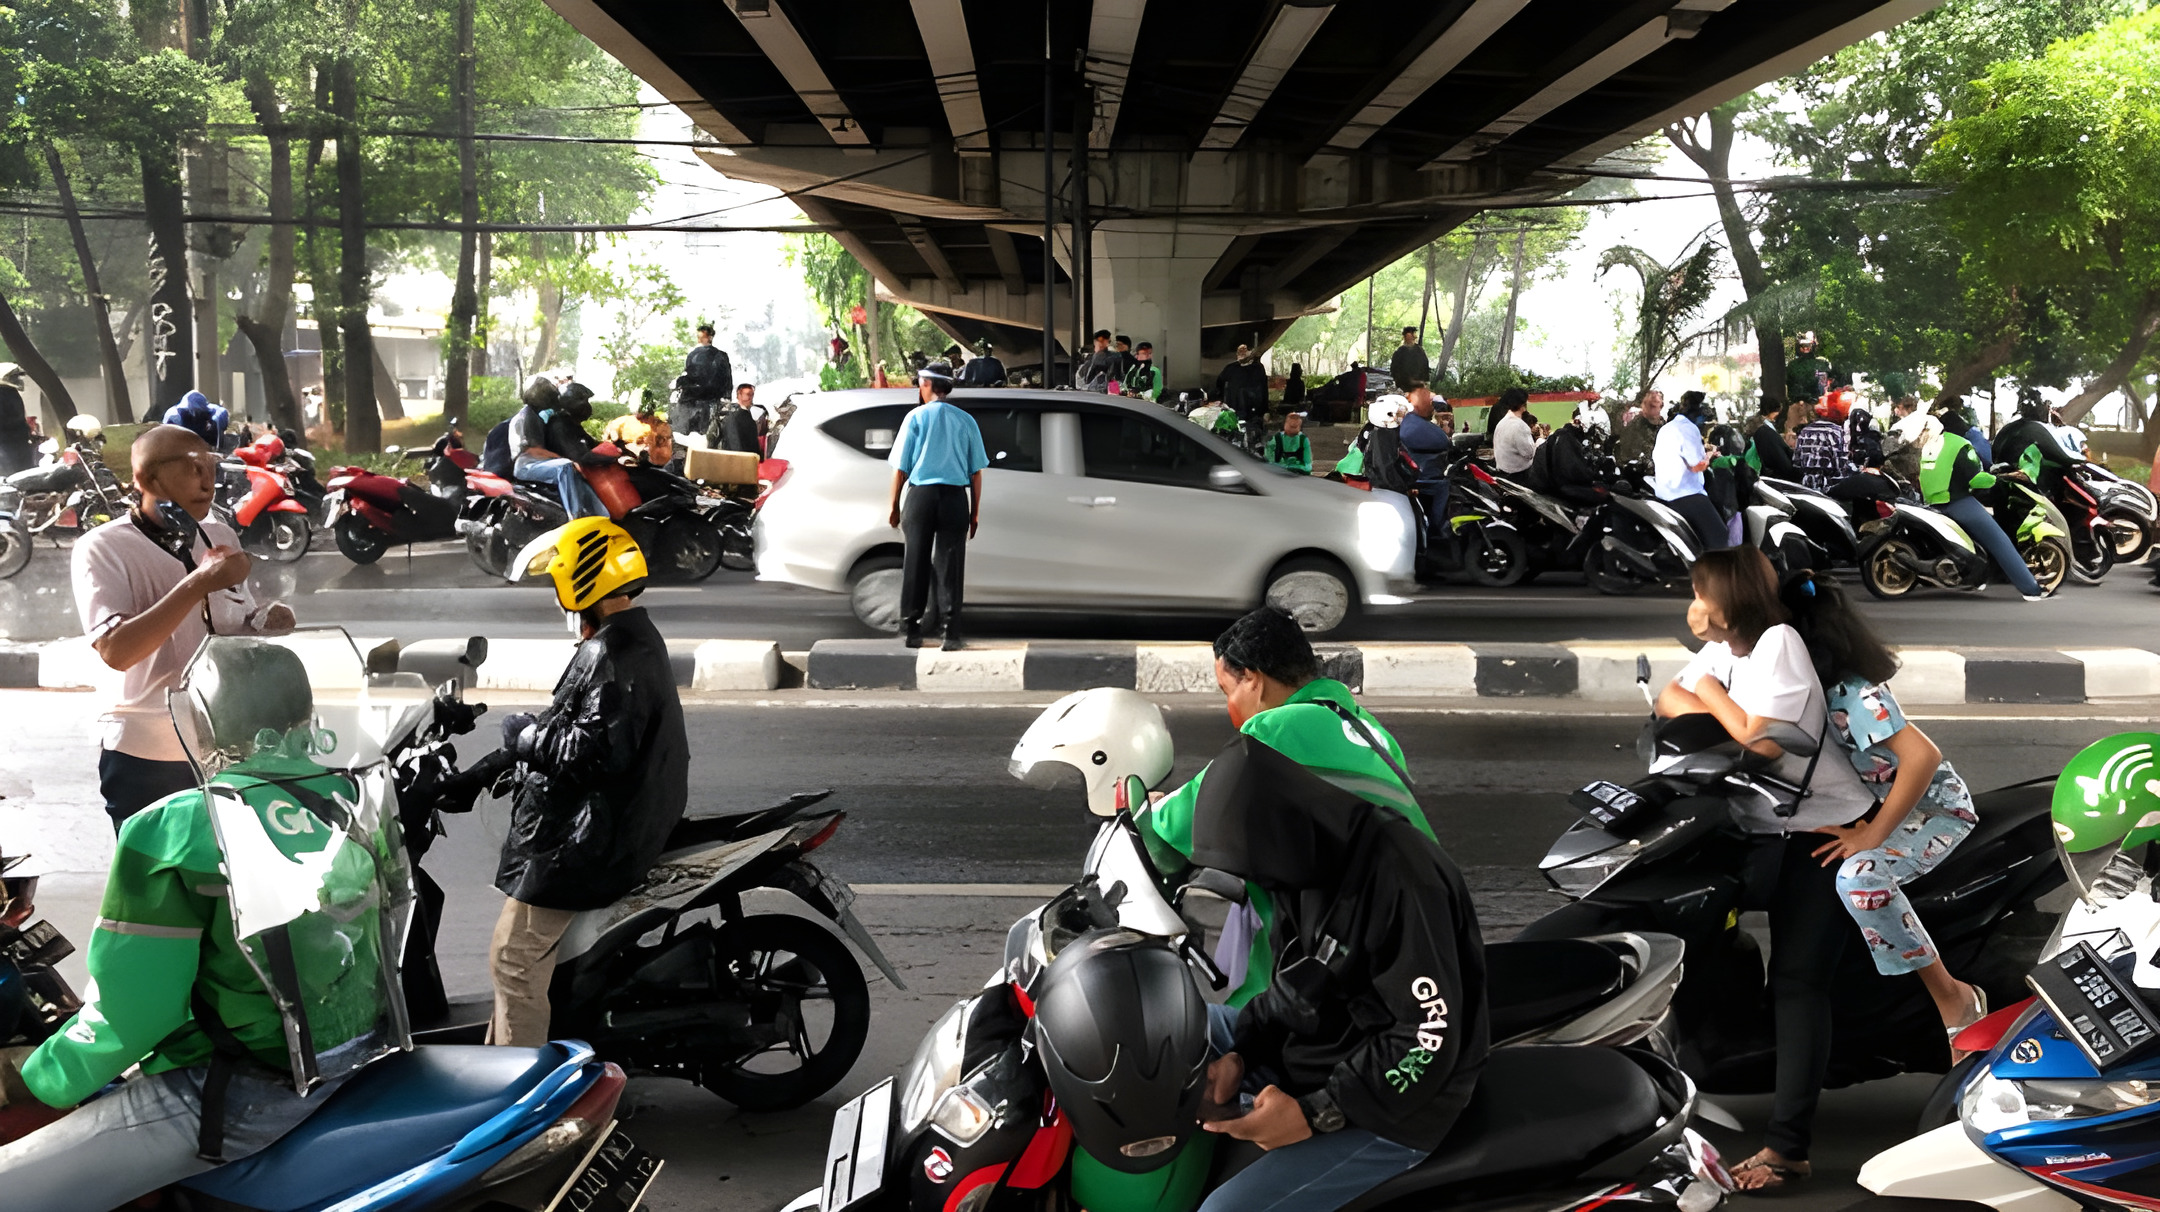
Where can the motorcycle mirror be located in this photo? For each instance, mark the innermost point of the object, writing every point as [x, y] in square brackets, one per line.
[393, 449]
[1642, 669]
[1219, 884]
[476, 652]
[382, 660]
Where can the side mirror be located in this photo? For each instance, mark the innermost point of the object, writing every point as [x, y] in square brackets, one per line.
[382, 660]
[476, 652]
[393, 449]
[1224, 477]
[1219, 884]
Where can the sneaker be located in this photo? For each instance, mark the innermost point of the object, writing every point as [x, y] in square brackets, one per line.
[2039, 597]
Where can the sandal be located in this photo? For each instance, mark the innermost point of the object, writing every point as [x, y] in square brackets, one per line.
[1979, 1011]
[1782, 1174]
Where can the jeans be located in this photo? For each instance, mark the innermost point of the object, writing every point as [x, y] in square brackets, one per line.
[1808, 934]
[131, 784]
[577, 497]
[1708, 523]
[142, 1137]
[1318, 1174]
[521, 958]
[1974, 517]
[934, 525]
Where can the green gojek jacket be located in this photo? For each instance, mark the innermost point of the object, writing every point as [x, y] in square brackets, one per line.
[1951, 472]
[1316, 737]
[163, 930]
[1293, 451]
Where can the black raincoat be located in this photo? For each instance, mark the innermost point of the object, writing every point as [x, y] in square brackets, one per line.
[603, 774]
[1379, 990]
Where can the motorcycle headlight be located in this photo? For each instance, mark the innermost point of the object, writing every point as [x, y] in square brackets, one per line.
[2053, 1100]
[935, 1068]
[963, 1115]
[1384, 537]
[1991, 1104]
[1582, 877]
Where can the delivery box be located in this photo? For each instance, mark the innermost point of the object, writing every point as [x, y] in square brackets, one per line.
[721, 466]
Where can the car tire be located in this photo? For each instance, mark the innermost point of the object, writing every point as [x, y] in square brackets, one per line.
[1316, 591]
[874, 593]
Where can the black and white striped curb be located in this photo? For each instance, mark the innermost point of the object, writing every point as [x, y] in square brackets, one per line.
[1590, 670]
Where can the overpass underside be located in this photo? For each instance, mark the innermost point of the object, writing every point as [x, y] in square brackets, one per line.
[1224, 166]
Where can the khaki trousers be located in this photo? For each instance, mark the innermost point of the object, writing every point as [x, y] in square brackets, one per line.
[522, 960]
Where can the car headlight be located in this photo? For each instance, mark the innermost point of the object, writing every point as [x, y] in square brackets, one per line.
[1582, 877]
[1384, 536]
[936, 1066]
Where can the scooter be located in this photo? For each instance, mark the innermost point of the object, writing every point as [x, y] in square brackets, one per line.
[72, 490]
[1770, 526]
[371, 512]
[1636, 543]
[1913, 545]
[659, 508]
[256, 497]
[1478, 535]
[1664, 853]
[767, 1010]
[2092, 536]
[2132, 513]
[1826, 521]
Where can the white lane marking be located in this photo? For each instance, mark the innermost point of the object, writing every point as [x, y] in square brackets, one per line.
[1033, 892]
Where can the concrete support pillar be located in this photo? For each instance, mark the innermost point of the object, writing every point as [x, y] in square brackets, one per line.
[1148, 275]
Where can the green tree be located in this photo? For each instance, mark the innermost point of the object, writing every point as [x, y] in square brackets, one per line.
[1667, 311]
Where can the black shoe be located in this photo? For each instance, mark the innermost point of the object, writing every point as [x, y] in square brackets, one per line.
[914, 635]
[953, 642]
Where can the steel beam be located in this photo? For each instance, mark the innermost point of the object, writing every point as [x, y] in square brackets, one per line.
[926, 246]
[944, 28]
[1294, 25]
[1468, 32]
[1113, 32]
[1007, 256]
[783, 45]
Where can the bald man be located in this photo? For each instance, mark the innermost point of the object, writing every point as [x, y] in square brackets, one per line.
[149, 586]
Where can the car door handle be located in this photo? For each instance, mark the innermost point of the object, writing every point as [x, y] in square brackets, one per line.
[1093, 502]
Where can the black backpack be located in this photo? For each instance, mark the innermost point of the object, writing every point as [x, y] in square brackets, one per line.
[708, 370]
[495, 455]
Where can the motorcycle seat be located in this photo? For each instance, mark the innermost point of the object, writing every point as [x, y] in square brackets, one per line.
[391, 1116]
[1537, 1111]
[728, 827]
[544, 489]
[1530, 985]
[52, 477]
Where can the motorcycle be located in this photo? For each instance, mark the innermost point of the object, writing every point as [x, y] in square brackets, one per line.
[766, 1010]
[371, 512]
[660, 509]
[1636, 542]
[1912, 545]
[2132, 513]
[73, 489]
[257, 497]
[1478, 535]
[14, 536]
[1664, 853]
[2092, 536]
[1770, 525]
[1826, 521]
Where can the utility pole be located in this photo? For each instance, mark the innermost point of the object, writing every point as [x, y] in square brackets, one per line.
[1077, 237]
[465, 297]
[1049, 204]
[1507, 329]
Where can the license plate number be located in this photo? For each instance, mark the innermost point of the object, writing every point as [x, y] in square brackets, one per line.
[613, 1179]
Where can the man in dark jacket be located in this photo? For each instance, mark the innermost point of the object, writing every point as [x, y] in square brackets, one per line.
[1409, 367]
[601, 776]
[17, 451]
[1567, 462]
[2028, 445]
[735, 427]
[985, 369]
[1242, 387]
[707, 379]
[1101, 366]
[1768, 452]
[1368, 1043]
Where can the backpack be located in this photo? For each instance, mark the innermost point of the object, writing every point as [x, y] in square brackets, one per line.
[495, 456]
[708, 371]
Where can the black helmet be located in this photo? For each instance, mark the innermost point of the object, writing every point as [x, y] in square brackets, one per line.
[2030, 406]
[1124, 1040]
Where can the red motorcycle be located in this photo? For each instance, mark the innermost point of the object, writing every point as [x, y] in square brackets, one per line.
[664, 513]
[371, 512]
[256, 497]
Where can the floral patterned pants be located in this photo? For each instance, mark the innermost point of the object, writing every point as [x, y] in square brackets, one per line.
[1868, 884]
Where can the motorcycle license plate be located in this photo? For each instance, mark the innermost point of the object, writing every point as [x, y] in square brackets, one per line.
[613, 1178]
[855, 1157]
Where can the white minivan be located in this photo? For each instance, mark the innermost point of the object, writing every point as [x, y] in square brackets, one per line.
[1090, 502]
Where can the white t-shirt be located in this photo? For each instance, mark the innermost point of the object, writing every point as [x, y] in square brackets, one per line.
[1672, 461]
[1776, 680]
[1513, 447]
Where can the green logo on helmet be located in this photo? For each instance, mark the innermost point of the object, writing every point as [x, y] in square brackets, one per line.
[2110, 792]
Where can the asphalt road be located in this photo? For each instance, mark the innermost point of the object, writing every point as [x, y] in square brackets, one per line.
[437, 592]
[929, 803]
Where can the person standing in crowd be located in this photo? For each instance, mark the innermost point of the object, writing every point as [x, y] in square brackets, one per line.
[1820, 453]
[1100, 367]
[984, 369]
[1864, 439]
[1293, 389]
[735, 427]
[707, 379]
[1514, 447]
[18, 451]
[938, 458]
[1427, 444]
[1639, 434]
[644, 432]
[149, 586]
[1677, 465]
[1809, 376]
[1121, 345]
[1242, 387]
[1291, 449]
[1409, 366]
[1767, 451]
[1143, 378]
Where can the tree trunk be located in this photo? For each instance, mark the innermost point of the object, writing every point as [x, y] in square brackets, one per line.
[2117, 371]
[57, 399]
[550, 307]
[1462, 307]
[265, 329]
[389, 396]
[1424, 304]
[171, 322]
[464, 300]
[1976, 369]
[482, 331]
[363, 423]
[116, 390]
[1716, 163]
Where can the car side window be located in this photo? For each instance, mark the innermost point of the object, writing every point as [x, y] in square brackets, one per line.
[1120, 446]
[1012, 437]
[871, 431]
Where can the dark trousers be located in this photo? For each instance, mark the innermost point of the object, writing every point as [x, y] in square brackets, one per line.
[1809, 931]
[1708, 523]
[131, 784]
[934, 525]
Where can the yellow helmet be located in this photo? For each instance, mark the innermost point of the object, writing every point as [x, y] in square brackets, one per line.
[589, 559]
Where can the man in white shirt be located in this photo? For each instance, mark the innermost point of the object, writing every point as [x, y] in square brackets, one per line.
[1676, 471]
[1514, 446]
[149, 586]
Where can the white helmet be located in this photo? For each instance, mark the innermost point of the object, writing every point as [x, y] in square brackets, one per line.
[1916, 429]
[85, 427]
[1591, 415]
[1106, 734]
[1387, 411]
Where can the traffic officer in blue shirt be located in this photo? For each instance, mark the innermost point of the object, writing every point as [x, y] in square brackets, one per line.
[939, 458]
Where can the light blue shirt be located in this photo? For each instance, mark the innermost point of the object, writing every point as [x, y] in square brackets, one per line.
[939, 444]
[1679, 449]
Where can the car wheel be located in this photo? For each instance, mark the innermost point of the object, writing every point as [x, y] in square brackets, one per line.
[874, 593]
[1315, 591]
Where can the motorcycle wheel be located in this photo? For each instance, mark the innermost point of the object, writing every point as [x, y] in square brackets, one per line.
[14, 548]
[283, 538]
[794, 979]
[738, 552]
[360, 542]
[1502, 559]
[2132, 540]
[2049, 562]
[690, 548]
[1601, 569]
[490, 553]
[1883, 574]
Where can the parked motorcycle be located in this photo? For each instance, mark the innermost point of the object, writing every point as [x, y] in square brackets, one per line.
[1826, 521]
[1664, 853]
[14, 536]
[257, 496]
[371, 512]
[1914, 545]
[1478, 535]
[72, 490]
[2092, 536]
[1636, 542]
[660, 509]
[2132, 513]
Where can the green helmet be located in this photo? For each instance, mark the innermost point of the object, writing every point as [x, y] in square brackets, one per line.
[2109, 793]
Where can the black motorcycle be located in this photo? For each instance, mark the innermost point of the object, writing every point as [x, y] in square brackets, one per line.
[669, 522]
[1479, 533]
[1664, 854]
[1634, 542]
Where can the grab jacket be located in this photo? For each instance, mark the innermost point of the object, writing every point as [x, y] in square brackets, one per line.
[602, 775]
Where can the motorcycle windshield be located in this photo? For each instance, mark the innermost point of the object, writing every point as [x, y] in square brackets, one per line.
[358, 716]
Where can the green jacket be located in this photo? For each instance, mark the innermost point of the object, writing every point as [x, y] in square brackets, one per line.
[163, 930]
[1953, 471]
[1143, 379]
[1315, 737]
[1293, 451]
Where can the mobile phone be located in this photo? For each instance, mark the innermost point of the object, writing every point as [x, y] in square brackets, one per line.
[1214, 1112]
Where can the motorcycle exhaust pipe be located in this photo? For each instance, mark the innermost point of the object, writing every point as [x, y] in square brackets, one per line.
[1641, 560]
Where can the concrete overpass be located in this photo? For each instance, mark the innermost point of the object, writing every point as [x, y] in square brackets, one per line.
[1244, 161]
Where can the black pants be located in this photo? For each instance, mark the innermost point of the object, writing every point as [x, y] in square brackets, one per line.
[1809, 931]
[131, 784]
[934, 524]
[1703, 516]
